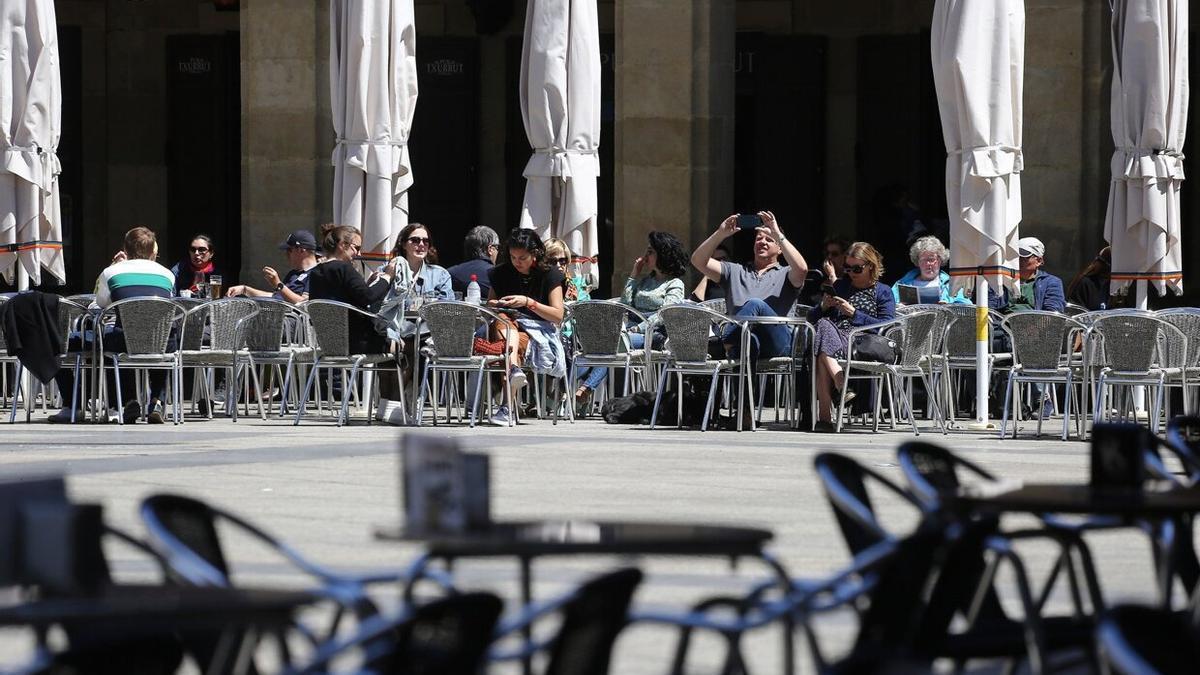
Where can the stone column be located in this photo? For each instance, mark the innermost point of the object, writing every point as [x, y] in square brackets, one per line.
[284, 145]
[674, 122]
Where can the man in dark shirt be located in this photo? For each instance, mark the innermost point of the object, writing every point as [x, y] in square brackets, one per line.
[479, 252]
[301, 248]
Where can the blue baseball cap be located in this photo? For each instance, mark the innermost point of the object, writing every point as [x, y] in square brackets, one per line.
[300, 239]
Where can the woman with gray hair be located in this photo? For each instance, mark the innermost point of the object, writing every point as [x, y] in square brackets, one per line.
[929, 255]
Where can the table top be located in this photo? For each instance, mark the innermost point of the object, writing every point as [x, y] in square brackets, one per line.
[1079, 499]
[539, 538]
[161, 606]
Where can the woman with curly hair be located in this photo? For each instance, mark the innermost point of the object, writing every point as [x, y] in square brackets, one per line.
[664, 264]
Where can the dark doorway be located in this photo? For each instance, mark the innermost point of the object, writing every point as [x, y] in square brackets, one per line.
[779, 149]
[203, 151]
[516, 153]
[900, 154]
[444, 144]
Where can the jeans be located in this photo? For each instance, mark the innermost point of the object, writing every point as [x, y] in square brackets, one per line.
[594, 376]
[766, 341]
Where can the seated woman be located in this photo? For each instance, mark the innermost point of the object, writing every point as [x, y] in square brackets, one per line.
[1090, 288]
[559, 257]
[414, 272]
[531, 297]
[336, 278]
[196, 268]
[929, 256]
[855, 299]
[705, 290]
[664, 263]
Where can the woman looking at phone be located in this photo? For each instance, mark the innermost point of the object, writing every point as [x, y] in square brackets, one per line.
[527, 292]
[855, 299]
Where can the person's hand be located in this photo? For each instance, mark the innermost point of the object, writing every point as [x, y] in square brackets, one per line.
[830, 273]
[827, 301]
[235, 291]
[119, 257]
[728, 227]
[271, 276]
[637, 266]
[771, 226]
[514, 301]
[844, 306]
[390, 268]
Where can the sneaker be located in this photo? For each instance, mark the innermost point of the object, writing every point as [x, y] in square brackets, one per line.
[516, 377]
[155, 414]
[131, 413]
[1047, 409]
[501, 417]
[825, 428]
[203, 406]
[837, 396]
[64, 416]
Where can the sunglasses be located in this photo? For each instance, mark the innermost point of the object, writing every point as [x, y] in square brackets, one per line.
[856, 269]
[355, 247]
[199, 249]
[419, 241]
[560, 261]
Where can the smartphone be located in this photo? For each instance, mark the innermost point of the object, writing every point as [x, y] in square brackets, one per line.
[749, 221]
[827, 289]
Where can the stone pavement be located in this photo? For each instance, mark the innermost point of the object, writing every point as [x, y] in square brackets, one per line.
[322, 488]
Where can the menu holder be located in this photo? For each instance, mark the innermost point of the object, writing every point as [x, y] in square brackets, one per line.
[446, 491]
[14, 495]
[1117, 457]
[65, 555]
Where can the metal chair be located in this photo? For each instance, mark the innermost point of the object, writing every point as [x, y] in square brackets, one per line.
[452, 328]
[1187, 377]
[918, 333]
[717, 305]
[268, 345]
[330, 328]
[598, 341]
[959, 352]
[1135, 348]
[785, 369]
[69, 314]
[148, 325]
[686, 353]
[1038, 340]
[1135, 640]
[227, 320]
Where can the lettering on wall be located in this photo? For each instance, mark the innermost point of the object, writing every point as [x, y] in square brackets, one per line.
[196, 65]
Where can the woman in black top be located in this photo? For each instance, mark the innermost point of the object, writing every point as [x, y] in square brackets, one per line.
[1090, 288]
[523, 287]
[197, 267]
[337, 279]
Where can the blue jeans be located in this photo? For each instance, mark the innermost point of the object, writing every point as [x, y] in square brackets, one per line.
[594, 376]
[766, 341]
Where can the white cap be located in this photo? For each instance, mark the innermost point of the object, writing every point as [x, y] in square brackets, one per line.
[1027, 246]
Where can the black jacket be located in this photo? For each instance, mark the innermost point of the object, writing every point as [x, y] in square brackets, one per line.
[30, 323]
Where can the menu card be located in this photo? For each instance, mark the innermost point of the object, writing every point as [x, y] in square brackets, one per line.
[446, 491]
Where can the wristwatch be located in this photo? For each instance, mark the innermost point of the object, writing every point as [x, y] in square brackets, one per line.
[279, 286]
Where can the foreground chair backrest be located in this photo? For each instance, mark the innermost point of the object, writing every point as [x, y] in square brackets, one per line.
[1136, 640]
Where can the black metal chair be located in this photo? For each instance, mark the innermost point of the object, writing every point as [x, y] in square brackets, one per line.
[184, 532]
[1145, 641]
[592, 615]
[444, 637]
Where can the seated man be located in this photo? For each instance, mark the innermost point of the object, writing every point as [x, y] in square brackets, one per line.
[1039, 291]
[761, 287]
[479, 251]
[133, 274]
[301, 248]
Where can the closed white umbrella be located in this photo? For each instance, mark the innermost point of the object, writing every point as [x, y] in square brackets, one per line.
[30, 127]
[373, 88]
[978, 50]
[560, 104]
[1149, 120]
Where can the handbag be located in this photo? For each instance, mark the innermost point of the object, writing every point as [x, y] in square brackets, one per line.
[877, 348]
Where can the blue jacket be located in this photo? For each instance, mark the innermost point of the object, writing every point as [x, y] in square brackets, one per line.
[943, 281]
[884, 300]
[1047, 294]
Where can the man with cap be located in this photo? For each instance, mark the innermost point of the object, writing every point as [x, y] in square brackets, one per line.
[1039, 290]
[301, 247]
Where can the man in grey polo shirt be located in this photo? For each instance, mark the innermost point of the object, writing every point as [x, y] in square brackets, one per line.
[761, 287]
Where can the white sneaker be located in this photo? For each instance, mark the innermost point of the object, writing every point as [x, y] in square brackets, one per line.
[516, 377]
[64, 416]
[501, 417]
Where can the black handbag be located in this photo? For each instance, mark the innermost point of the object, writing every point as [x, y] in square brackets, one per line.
[877, 348]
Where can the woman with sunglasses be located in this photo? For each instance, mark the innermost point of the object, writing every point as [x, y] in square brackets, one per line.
[559, 257]
[197, 267]
[530, 294]
[855, 299]
[336, 278]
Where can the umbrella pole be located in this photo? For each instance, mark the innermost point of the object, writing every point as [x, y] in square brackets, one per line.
[982, 372]
[26, 383]
[1139, 392]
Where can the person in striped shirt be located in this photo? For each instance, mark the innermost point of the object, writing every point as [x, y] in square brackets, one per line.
[134, 273]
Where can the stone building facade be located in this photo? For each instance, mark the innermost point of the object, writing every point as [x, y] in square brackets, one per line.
[188, 119]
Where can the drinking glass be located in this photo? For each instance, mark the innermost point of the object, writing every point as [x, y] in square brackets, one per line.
[214, 286]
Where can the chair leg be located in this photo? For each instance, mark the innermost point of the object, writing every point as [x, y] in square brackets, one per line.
[1008, 391]
[662, 383]
[712, 393]
[12, 418]
[1070, 391]
[302, 403]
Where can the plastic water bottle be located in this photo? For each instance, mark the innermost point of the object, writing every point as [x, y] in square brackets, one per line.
[473, 296]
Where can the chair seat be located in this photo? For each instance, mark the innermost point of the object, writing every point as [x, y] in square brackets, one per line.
[776, 362]
[362, 359]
